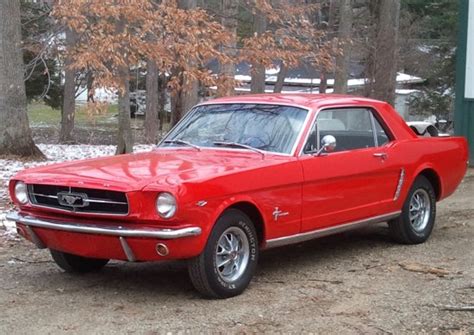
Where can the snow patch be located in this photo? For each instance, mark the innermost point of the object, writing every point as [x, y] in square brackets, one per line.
[9, 228]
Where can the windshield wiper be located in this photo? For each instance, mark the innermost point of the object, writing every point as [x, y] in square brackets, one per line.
[239, 145]
[183, 142]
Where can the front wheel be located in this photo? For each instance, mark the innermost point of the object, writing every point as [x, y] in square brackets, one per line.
[416, 221]
[77, 264]
[226, 266]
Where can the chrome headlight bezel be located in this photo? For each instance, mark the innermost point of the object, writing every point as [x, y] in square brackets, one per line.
[166, 205]
[21, 192]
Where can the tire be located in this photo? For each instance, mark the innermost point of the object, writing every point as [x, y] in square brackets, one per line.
[228, 280]
[77, 264]
[412, 228]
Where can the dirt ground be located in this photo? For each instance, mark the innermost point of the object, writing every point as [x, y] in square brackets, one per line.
[352, 283]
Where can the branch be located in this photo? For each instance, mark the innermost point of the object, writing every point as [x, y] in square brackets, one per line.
[46, 90]
[79, 92]
[469, 308]
[33, 67]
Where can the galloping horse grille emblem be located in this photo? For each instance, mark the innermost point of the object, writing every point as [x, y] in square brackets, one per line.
[74, 200]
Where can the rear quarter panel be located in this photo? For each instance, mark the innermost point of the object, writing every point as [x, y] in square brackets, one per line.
[446, 156]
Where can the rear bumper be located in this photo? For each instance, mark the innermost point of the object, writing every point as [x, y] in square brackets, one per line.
[102, 241]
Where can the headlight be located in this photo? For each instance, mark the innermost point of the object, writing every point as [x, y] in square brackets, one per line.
[166, 205]
[21, 192]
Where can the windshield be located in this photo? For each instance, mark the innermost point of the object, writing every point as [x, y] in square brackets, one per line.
[265, 127]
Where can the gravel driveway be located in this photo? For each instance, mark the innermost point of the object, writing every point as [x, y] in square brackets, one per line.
[358, 282]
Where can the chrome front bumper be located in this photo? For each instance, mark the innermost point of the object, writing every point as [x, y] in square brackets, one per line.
[119, 231]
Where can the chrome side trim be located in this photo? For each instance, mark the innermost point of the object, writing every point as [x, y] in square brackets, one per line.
[401, 180]
[35, 238]
[374, 131]
[301, 237]
[165, 234]
[127, 250]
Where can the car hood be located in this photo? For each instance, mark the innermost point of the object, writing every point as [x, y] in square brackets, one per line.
[160, 167]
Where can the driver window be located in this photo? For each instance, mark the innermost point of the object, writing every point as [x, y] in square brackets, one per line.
[353, 129]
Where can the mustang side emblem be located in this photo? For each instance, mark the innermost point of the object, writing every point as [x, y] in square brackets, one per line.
[74, 200]
[277, 213]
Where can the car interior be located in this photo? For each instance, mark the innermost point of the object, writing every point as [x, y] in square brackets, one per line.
[348, 131]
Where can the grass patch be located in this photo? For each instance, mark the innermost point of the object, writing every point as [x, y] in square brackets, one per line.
[104, 120]
[40, 114]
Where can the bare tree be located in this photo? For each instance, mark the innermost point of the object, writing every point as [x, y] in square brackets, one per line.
[229, 9]
[330, 27]
[281, 78]
[15, 134]
[69, 93]
[162, 97]
[257, 84]
[180, 40]
[125, 136]
[152, 122]
[383, 62]
[343, 59]
[190, 95]
[293, 39]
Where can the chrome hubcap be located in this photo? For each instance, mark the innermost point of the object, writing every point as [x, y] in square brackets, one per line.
[232, 254]
[420, 207]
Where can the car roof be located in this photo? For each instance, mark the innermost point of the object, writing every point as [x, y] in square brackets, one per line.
[302, 100]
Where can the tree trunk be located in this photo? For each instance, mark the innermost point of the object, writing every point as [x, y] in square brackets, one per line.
[386, 51]
[187, 94]
[257, 84]
[369, 71]
[151, 113]
[230, 10]
[280, 78]
[343, 60]
[190, 95]
[125, 137]
[323, 77]
[333, 4]
[15, 134]
[323, 82]
[68, 110]
[163, 115]
[187, 4]
[176, 107]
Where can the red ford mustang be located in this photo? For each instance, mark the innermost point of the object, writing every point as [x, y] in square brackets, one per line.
[238, 175]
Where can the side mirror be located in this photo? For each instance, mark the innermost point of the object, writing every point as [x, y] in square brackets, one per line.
[328, 144]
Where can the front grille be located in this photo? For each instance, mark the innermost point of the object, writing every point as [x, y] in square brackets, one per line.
[79, 200]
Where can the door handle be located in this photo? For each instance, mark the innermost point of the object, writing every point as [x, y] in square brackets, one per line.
[382, 155]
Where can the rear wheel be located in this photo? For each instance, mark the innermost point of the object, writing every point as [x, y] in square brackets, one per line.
[226, 266]
[416, 221]
[77, 264]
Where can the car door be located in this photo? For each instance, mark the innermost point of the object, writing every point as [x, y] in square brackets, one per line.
[355, 180]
